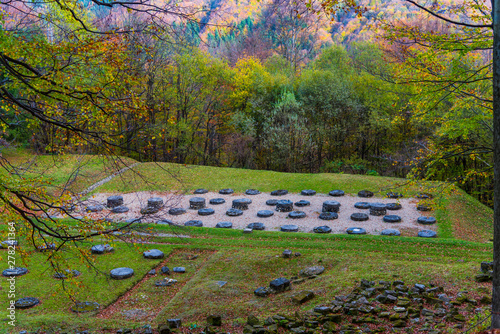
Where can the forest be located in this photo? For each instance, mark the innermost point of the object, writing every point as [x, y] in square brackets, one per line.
[275, 86]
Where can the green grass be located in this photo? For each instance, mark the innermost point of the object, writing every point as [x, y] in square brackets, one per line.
[166, 176]
[245, 261]
[75, 172]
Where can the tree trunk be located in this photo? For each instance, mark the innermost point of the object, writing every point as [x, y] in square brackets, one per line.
[495, 311]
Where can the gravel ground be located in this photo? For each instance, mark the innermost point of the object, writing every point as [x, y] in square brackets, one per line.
[374, 225]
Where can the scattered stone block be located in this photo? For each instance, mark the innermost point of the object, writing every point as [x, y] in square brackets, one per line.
[153, 254]
[121, 273]
[26, 302]
[280, 284]
[312, 271]
[101, 249]
[286, 254]
[214, 320]
[302, 297]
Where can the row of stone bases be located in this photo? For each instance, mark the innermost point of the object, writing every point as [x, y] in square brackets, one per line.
[330, 210]
[371, 307]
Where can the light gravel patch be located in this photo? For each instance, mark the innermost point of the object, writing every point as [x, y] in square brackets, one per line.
[374, 225]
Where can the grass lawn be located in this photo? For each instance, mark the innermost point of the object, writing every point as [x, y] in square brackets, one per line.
[245, 262]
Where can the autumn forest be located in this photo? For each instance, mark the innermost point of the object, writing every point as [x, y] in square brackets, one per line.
[278, 85]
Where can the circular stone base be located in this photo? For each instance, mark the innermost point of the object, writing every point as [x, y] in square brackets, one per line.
[114, 201]
[393, 206]
[423, 196]
[153, 254]
[101, 249]
[365, 193]
[217, 201]
[394, 195]
[289, 228]
[426, 220]
[241, 203]
[359, 217]
[271, 202]
[195, 223]
[26, 302]
[119, 209]
[227, 191]
[331, 206]
[85, 307]
[374, 212]
[16, 271]
[308, 192]
[224, 225]
[427, 234]
[67, 274]
[280, 192]
[284, 205]
[336, 193]
[234, 212]
[297, 215]
[176, 211]
[252, 192]
[121, 273]
[302, 203]
[165, 222]
[206, 212]
[155, 202]
[196, 203]
[256, 226]
[200, 191]
[328, 215]
[391, 232]
[362, 205]
[356, 230]
[265, 213]
[392, 219]
[94, 208]
[322, 229]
